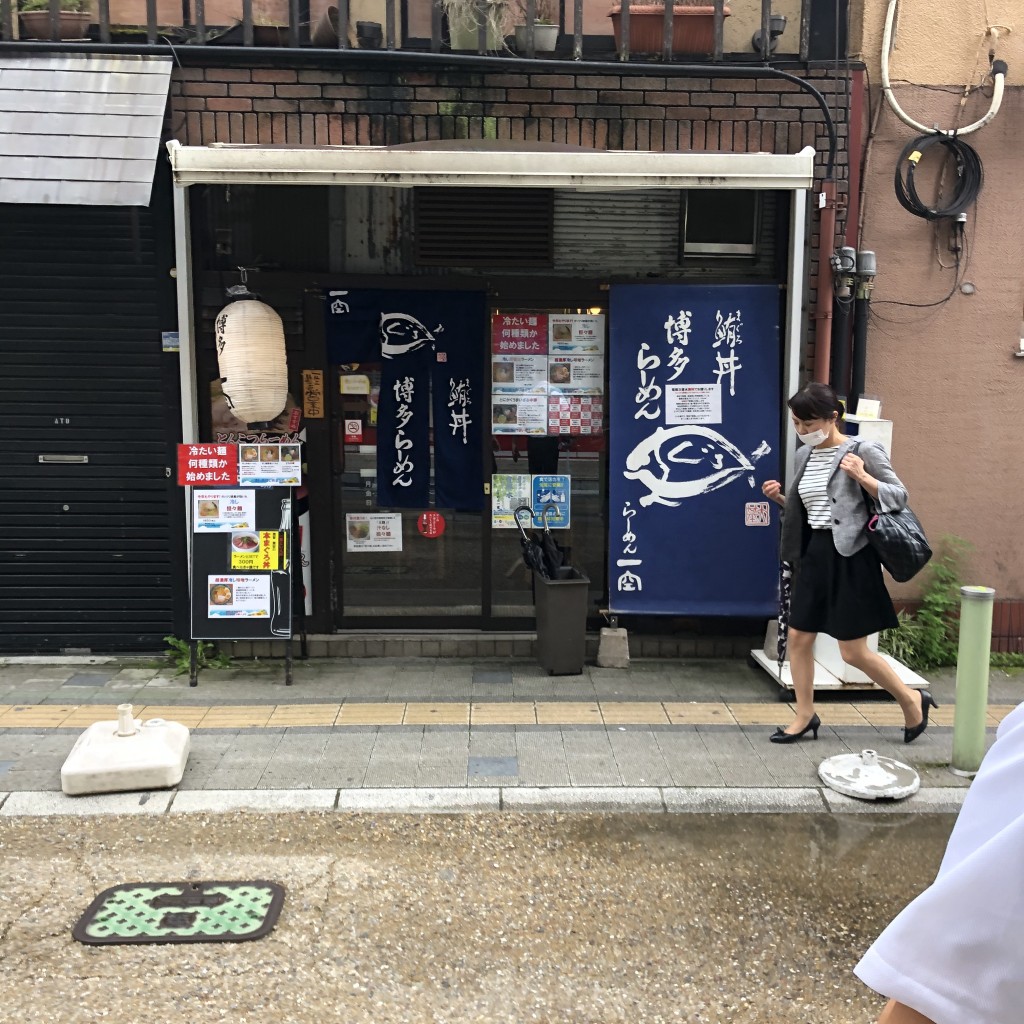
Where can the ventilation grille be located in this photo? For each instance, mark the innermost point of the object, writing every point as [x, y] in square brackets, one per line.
[484, 227]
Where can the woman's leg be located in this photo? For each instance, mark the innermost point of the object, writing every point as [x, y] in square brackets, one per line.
[897, 1013]
[800, 646]
[877, 669]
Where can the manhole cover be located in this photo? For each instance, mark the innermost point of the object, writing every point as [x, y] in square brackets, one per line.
[181, 912]
[869, 776]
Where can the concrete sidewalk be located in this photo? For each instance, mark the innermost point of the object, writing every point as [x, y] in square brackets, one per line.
[441, 734]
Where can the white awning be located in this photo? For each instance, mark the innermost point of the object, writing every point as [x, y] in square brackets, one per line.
[483, 165]
[80, 130]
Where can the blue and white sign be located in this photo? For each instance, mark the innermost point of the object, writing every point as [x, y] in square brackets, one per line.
[695, 408]
[554, 491]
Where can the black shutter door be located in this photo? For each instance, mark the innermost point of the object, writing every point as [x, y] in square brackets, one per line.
[85, 506]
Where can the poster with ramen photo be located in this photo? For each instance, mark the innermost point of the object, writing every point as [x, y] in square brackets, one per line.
[223, 510]
[238, 597]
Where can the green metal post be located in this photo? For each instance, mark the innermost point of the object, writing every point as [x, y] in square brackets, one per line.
[972, 679]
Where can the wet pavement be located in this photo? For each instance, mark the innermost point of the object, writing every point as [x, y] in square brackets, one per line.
[483, 919]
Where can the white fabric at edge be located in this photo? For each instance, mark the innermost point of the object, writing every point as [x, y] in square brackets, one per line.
[955, 953]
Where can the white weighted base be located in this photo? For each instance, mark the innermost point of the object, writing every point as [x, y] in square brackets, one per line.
[102, 761]
[868, 776]
[825, 680]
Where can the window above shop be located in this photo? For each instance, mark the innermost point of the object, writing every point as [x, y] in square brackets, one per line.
[719, 223]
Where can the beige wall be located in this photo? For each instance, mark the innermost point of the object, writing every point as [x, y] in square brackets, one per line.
[948, 377]
[938, 42]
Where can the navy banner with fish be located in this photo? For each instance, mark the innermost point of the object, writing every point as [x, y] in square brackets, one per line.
[431, 349]
[695, 407]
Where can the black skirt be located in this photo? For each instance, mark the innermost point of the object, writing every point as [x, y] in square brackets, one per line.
[844, 597]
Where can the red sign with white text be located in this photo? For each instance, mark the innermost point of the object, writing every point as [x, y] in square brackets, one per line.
[431, 524]
[207, 465]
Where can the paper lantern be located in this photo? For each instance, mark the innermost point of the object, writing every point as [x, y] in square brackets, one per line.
[252, 360]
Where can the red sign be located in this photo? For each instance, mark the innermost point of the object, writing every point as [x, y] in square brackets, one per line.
[431, 524]
[353, 431]
[207, 465]
[521, 334]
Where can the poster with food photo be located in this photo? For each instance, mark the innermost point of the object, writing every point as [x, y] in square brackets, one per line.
[579, 333]
[223, 510]
[373, 532]
[252, 550]
[238, 597]
[519, 414]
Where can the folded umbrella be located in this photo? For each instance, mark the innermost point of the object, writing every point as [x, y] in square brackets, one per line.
[533, 553]
[555, 556]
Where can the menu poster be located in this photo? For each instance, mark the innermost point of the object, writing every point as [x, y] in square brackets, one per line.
[576, 375]
[519, 414]
[512, 373]
[508, 492]
[580, 333]
[238, 597]
[255, 550]
[269, 465]
[223, 510]
[373, 532]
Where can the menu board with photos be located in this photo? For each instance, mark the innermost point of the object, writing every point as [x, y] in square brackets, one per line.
[547, 373]
[241, 564]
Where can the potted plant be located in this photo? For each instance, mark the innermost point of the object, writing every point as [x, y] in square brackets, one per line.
[545, 26]
[465, 17]
[72, 22]
[693, 27]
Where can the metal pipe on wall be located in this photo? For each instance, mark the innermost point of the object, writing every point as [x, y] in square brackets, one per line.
[861, 313]
[823, 304]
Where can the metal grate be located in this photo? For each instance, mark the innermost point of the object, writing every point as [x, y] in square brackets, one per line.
[164, 912]
[483, 227]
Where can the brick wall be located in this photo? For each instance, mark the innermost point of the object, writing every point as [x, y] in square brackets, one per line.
[640, 109]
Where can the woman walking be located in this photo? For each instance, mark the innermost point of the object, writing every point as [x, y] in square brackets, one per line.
[838, 587]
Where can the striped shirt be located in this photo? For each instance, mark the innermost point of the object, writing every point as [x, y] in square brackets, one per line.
[813, 487]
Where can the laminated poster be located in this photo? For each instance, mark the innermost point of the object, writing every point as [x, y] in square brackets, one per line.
[238, 597]
[255, 550]
[267, 465]
[693, 403]
[373, 531]
[576, 333]
[508, 492]
[223, 510]
[519, 414]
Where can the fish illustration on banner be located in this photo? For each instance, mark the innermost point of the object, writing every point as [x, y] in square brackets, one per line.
[695, 412]
[705, 461]
[431, 348]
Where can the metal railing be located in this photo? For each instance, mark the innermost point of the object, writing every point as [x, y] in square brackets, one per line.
[300, 32]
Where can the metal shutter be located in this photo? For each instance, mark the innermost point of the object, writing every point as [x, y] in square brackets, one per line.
[85, 549]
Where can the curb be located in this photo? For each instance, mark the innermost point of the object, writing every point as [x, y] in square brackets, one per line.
[510, 799]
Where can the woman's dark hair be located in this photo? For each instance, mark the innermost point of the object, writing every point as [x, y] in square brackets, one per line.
[815, 401]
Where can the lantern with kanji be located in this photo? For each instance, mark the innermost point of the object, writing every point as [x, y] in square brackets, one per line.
[252, 359]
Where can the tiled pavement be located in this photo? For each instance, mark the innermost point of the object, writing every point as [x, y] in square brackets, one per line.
[375, 724]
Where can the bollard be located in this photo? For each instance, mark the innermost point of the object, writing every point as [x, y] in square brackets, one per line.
[972, 665]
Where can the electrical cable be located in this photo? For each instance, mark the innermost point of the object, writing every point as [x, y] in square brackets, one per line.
[969, 174]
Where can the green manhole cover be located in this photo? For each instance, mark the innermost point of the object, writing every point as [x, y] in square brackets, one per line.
[181, 912]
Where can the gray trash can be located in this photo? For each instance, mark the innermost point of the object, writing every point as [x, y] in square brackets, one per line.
[561, 607]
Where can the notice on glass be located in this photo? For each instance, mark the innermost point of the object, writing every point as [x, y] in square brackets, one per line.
[252, 550]
[576, 375]
[552, 491]
[238, 597]
[511, 374]
[693, 403]
[576, 415]
[524, 334]
[270, 465]
[580, 333]
[223, 510]
[508, 492]
[373, 532]
[519, 414]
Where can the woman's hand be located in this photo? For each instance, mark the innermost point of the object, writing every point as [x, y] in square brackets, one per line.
[853, 465]
[773, 489]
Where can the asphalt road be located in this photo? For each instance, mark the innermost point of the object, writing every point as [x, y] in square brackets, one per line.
[473, 918]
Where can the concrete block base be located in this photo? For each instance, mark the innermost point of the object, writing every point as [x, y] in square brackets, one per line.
[613, 649]
[101, 761]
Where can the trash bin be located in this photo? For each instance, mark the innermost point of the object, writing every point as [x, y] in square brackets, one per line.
[561, 607]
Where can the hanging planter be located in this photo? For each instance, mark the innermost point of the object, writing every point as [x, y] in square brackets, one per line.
[693, 28]
[252, 359]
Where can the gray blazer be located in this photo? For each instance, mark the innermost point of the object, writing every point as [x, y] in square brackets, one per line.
[850, 512]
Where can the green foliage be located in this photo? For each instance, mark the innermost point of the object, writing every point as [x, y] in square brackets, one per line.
[1007, 660]
[207, 655]
[71, 6]
[930, 638]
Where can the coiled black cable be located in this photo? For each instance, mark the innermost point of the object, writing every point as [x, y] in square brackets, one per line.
[969, 176]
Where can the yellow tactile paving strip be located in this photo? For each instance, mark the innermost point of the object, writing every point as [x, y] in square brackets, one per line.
[276, 716]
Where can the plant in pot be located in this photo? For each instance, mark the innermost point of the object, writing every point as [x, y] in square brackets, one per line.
[72, 21]
[545, 26]
[693, 27]
[465, 18]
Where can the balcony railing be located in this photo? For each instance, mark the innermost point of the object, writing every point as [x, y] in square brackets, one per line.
[417, 25]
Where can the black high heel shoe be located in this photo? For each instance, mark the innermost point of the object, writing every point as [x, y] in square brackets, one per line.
[781, 736]
[927, 701]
